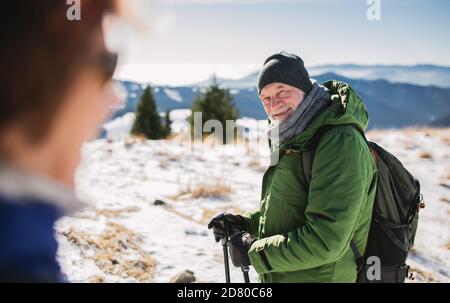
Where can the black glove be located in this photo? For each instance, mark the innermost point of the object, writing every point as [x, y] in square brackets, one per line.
[234, 224]
[240, 244]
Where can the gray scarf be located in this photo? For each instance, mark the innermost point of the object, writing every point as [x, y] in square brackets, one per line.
[315, 102]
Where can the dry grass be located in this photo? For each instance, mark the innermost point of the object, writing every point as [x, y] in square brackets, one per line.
[377, 133]
[256, 165]
[216, 190]
[165, 157]
[168, 158]
[93, 213]
[444, 199]
[425, 155]
[117, 252]
[199, 158]
[172, 137]
[115, 213]
[424, 275]
[446, 141]
[444, 184]
[141, 269]
[135, 138]
[411, 146]
[442, 133]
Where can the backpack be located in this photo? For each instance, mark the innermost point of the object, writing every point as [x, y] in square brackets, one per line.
[394, 219]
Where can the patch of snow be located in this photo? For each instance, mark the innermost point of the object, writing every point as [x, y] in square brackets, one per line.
[180, 114]
[131, 173]
[173, 95]
[120, 127]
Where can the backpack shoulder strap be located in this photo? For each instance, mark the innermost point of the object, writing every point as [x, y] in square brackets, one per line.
[309, 153]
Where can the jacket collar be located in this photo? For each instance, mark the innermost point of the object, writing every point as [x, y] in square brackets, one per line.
[22, 185]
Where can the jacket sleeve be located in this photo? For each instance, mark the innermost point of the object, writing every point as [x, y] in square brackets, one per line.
[338, 189]
[252, 221]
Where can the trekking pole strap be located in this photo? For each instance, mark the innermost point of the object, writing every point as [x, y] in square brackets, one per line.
[358, 256]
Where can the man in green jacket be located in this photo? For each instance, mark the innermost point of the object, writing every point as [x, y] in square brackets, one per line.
[302, 230]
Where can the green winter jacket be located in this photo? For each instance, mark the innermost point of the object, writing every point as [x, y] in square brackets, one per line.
[304, 234]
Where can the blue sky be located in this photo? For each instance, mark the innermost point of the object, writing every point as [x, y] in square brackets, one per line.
[190, 39]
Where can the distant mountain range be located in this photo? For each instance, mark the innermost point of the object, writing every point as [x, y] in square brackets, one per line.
[390, 104]
[424, 75]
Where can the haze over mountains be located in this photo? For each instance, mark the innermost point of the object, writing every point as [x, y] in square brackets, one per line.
[396, 96]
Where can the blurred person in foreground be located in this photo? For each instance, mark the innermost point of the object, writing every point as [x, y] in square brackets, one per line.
[56, 92]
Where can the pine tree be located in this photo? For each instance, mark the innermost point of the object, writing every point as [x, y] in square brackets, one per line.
[167, 124]
[148, 121]
[216, 103]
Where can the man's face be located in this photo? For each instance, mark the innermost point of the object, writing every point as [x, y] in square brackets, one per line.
[280, 100]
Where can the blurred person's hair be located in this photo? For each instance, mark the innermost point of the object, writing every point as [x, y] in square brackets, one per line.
[41, 53]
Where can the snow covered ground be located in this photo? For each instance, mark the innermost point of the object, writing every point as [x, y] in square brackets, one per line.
[125, 236]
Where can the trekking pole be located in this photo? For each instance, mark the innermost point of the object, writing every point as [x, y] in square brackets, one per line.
[225, 254]
[242, 259]
[245, 270]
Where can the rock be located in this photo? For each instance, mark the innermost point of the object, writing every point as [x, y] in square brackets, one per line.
[96, 279]
[186, 276]
[196, 232]
[190, 232]
[159, 203]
